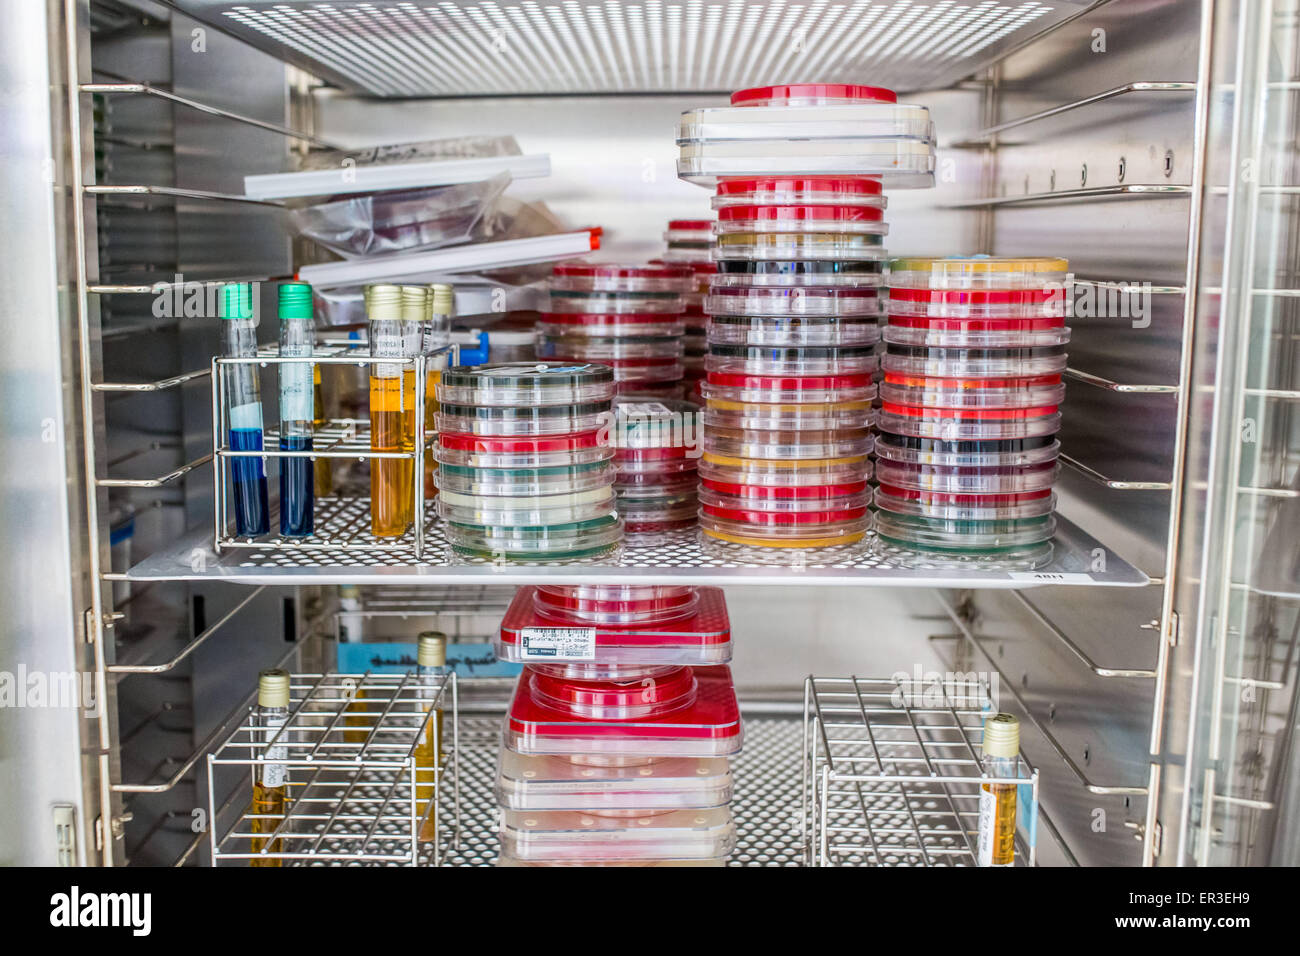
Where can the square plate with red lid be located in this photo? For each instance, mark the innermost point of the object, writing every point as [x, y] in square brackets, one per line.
[708, 725]
[528, 636]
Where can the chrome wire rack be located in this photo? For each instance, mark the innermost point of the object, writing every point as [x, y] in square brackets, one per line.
[892, 773]
[357, 793]
[341, 527]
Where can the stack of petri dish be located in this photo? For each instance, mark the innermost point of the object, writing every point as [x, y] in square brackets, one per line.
[525, 468]
[795, 308]
[628, 317]
[690, 242]
[616, 744]
[970, 407]
[656, 451]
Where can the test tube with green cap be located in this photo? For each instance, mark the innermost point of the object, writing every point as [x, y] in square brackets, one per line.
[244, 409]
[297, 340]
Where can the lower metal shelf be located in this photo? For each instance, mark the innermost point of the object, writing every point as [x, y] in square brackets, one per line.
[765, 805]
[1078, 559]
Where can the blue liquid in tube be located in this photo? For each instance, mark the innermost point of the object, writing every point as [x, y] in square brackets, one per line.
[297, 490]
[248, 483]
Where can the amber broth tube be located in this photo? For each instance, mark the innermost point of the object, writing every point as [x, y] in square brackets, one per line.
[430, 749]
[415, 304]
[270, 779]
[388, 514]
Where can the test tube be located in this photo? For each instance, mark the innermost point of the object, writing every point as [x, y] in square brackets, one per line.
[997, 810]
[388, 517]
[415, 306]
[297, 414]
[437, 335]
[244, 409]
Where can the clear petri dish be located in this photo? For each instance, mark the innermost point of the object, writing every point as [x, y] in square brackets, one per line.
[537, 383]
[736, 295]
[967, 508]
[825, 244]
[796, 361]
[1008, 479]
[611, 324]
[857, 220]
[800, 190]
[777, 508]
[929, 451]
[976, 339]
[818, 417]
[597, 537]
[864, 271]
[784, 473]
[524, 481]
[476, 451]
[793, 331]
[973, 363]
[904, 389]
[978, 272]
[522, 420]
[787, 444]
[582, 276]
[788, 389]
[526, 510]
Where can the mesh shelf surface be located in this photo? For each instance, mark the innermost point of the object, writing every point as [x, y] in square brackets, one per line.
[765, 805]
[673, 559]
[478, 47]
[356, 792]
[892, 773]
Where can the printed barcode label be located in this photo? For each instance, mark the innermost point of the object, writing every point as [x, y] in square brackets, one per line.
[557, 643]
[1052, 577]
[646, 409]
[274, 774]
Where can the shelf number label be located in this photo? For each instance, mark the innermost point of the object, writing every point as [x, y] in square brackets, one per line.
[557, 643]
[1052, 577]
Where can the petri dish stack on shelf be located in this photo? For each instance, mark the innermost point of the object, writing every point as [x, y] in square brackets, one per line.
[616, 743]
[795, 309]
[525, 470]
[690, 242]
[966, 457]
[628, 317]
[656, 451]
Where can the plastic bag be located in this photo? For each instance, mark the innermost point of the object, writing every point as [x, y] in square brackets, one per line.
[400, 221]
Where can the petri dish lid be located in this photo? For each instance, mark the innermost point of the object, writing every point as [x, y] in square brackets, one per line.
[689, 225]
[862, 125]
[900, 163]
[621, 277]
[537, 383]
[736, 295]
[979, 272]
[803, 94]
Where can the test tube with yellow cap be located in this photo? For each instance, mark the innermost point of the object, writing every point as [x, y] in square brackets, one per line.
[389, 496]
[997, 813]
[271, 777]
[431, 669]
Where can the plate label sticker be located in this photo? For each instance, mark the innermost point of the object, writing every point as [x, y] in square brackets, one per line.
[557, 643]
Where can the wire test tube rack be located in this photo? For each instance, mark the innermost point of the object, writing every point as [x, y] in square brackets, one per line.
[342, 523]
[349, 800]
[892, 773]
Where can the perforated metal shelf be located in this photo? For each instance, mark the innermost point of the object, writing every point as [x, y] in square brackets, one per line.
[401, 48]
[1078, 559]
[765, 805]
